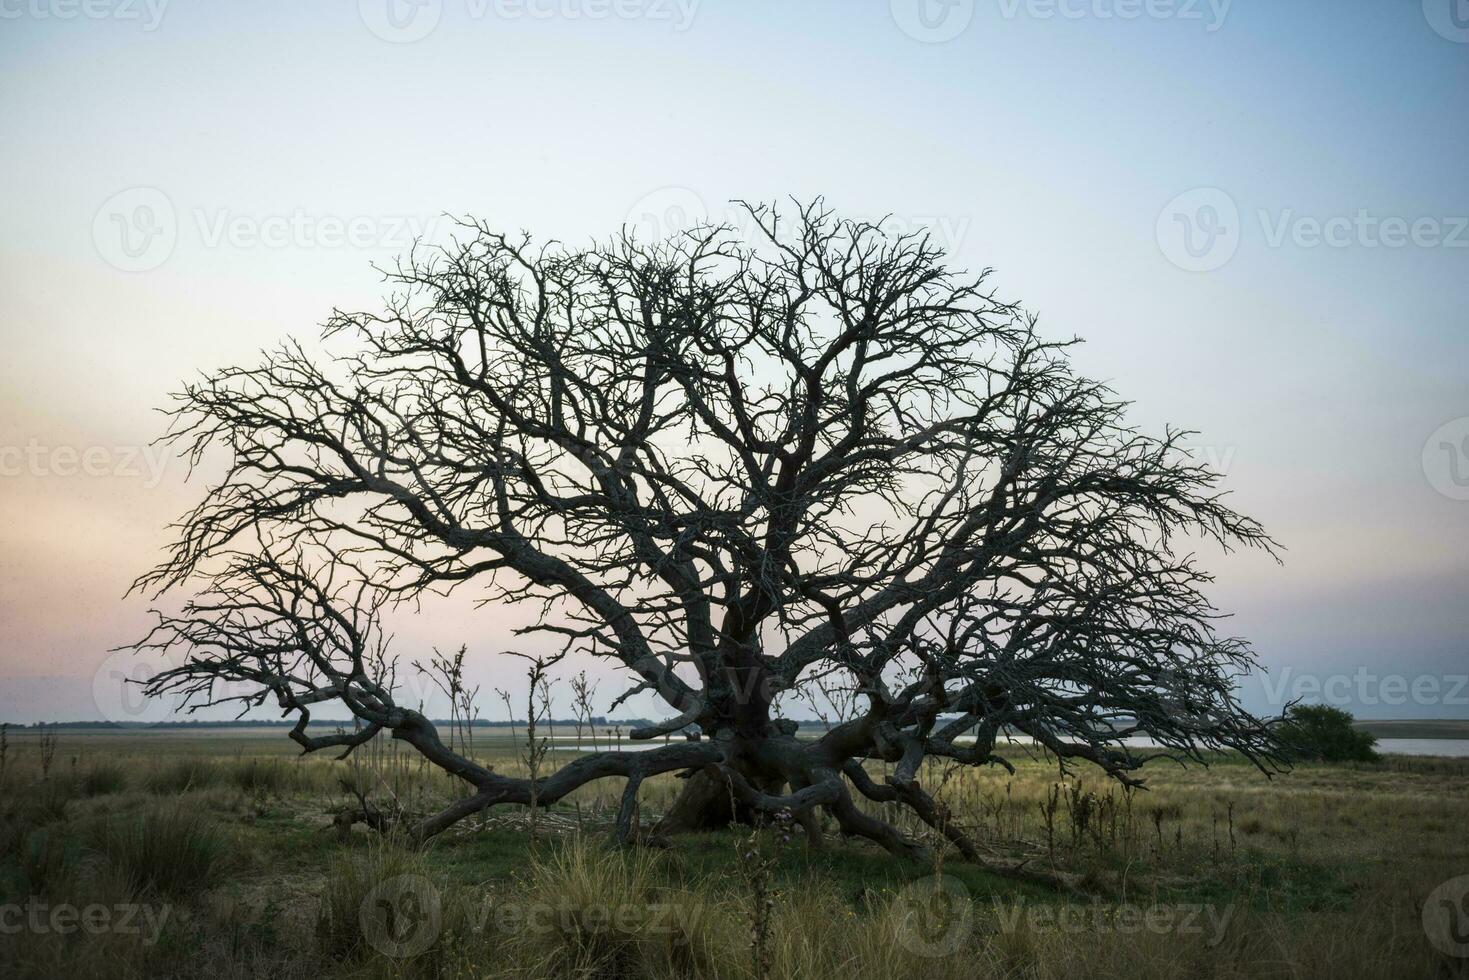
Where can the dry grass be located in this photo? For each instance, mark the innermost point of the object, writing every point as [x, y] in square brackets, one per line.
[1320, 873]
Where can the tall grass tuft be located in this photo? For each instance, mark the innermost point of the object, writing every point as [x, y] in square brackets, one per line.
[354, 881]
[144, 951]
[264, 777]
[181, 775]
[590, 910]
[102, 778]
[165, 848]
[44, 862]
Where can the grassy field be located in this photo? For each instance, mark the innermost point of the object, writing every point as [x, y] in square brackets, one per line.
[213, 855]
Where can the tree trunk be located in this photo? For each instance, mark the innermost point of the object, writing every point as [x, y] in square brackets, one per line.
[706, 801]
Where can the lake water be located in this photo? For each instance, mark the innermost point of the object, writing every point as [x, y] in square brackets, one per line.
[1456, 747]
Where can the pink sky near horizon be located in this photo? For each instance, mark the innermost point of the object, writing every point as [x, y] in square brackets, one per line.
[1317, 375]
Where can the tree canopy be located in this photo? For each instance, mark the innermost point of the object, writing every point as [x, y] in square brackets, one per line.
[741, 468]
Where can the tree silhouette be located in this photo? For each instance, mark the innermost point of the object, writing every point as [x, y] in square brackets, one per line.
[736, 466]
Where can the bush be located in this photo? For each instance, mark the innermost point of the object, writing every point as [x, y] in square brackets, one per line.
[1325, 734]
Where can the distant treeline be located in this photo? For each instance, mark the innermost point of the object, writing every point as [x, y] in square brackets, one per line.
[597, 721]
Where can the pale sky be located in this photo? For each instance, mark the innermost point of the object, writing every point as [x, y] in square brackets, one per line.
[1256, 213]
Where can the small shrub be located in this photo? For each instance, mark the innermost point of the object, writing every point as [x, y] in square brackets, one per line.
[1325, 734]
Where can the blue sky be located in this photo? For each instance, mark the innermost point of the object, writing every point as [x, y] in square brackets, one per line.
[1078, 151]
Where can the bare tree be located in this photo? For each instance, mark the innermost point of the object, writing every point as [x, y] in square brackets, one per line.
[583, 694]
[538, 708]
[733, 467]
[447, 674]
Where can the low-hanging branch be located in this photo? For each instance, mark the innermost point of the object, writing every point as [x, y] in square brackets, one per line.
[736, 467]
